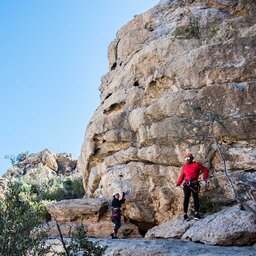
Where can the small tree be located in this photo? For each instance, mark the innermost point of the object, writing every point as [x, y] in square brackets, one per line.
[202, 129]
[17, 220]
[80, 245]
[11, 158]
[15, 159]
[21, 235]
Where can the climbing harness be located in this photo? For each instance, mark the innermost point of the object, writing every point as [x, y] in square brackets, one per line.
[197, 182]
[116, 212]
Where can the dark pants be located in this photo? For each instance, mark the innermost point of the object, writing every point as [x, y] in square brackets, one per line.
[117, 221]
[187, 194]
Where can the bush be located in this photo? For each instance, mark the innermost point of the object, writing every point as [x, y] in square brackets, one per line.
[80, 245]
[192, 30]
[15, 159]
[55, 188]
[37, 193]
[207, 206]
[17, 220]
[23, 209]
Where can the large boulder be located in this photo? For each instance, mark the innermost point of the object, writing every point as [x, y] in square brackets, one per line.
[77, 210]
[66, 165]
[170, 229]
[231, 226]
[228, 227]
[182, 76]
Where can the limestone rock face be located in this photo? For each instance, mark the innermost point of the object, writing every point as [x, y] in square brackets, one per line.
[182, 75]
[66, 165]
[94, 214]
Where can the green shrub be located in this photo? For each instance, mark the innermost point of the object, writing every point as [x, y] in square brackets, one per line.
[189, 31]
[207, 206]
[36, 193]
[80, 245]
[213, 32]
[55, 188]
[15, 159]
[17, 220]
[21, 211]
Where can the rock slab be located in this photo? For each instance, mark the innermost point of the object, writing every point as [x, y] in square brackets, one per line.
[93, 214]
[231, 226]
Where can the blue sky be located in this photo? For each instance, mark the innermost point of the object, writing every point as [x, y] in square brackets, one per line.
[52, 56]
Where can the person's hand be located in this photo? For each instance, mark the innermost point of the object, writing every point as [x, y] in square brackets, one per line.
[207, 182]
[179, 187]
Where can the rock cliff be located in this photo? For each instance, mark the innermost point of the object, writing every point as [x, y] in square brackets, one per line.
[182, 76]
[43, 163]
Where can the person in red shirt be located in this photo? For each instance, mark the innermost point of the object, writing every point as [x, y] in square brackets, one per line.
[189, 174]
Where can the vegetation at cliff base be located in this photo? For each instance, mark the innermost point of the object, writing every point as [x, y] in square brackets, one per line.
[17, 220]
[23, 209]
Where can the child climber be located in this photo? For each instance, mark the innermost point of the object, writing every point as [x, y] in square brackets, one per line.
[116, 212]
[190, 173]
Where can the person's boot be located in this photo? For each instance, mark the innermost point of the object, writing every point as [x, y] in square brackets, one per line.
[197, 216]
[186, 217]
[114, 235]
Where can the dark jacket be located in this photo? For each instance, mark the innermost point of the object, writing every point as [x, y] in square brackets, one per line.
[116, 206]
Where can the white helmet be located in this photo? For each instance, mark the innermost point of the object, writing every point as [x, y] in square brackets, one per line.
[115, 193]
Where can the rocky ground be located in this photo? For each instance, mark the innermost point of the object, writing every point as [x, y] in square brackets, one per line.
[166, 247]
[171, 247]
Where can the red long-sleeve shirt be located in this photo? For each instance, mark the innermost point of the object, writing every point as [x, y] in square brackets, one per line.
[192, 171]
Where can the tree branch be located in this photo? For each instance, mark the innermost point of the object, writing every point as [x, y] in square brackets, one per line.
[61, 238]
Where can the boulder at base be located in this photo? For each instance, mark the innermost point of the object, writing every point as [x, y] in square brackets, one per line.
[170, 229]
[231, 226]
